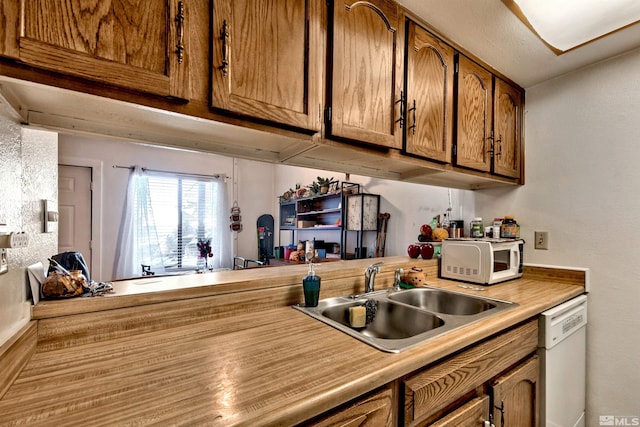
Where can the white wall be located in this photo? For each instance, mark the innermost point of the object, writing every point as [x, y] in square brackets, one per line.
[582, 150]
[410, 206]
[28, 174]
[251, 182]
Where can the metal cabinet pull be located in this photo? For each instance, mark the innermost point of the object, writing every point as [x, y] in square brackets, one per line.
[402, 107]
[501, 409]
[499, 141]
[491, 142]
[180, 32]
[224, 36]
[413, 126]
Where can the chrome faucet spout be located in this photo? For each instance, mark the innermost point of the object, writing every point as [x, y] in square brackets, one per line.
[397, 279]
[370, 276]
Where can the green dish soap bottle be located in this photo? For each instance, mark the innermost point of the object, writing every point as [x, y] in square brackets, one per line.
[311, 287]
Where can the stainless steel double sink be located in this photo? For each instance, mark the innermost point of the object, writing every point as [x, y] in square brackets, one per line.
[407, 317]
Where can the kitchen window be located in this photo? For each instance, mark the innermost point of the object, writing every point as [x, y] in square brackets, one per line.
[182, 210]
[166, 214]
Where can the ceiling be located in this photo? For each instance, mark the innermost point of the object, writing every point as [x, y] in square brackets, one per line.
[490, 31]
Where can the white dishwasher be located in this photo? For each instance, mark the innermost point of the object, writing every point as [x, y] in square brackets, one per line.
[562, 351]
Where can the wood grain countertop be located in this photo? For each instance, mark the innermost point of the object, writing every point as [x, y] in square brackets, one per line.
[276, 366]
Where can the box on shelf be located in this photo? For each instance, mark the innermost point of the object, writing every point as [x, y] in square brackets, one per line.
[306, 224]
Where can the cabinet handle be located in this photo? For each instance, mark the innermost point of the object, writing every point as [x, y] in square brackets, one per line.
[499, 141]
[224, 36]
[413, 126]
[501, 409]
[402, 107]
[491, 142]
[180, 32]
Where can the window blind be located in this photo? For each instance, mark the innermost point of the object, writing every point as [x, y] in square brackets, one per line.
[182, 209]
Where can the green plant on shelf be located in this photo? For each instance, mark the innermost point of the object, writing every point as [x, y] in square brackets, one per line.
[314, 188]
[323, 184]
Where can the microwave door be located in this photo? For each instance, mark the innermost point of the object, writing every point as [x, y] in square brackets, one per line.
[501, 260]
[504, 263]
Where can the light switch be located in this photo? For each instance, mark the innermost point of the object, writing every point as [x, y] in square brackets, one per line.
[4, 264]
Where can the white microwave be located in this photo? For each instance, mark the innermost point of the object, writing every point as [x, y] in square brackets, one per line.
[483, 261]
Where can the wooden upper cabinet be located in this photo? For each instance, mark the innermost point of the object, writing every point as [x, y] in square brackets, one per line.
[507, 129]
[429, 80]
[365, 74]
[474, 118]
[139, 44]
[267, 60]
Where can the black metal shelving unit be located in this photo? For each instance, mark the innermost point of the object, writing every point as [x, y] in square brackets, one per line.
[318, 213]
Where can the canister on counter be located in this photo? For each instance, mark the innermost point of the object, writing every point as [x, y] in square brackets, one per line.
[477, 229]
[455, 231]
[509, 228]
[459, 224]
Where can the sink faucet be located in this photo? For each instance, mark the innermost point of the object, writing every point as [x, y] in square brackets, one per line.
[370, 276]
[397, 279]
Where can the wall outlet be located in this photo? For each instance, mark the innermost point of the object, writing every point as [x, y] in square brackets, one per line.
[18, 240]
[14, 240]
[541, 240]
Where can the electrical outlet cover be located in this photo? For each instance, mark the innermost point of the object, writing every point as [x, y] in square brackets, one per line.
[541, 240]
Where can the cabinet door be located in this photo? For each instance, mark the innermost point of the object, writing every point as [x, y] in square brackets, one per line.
[472, 414]
[131, 44]
[374, 411]
[515, 396]
[437, 387]
[365, 88]
[473, 139]
[429, 112]
[267, 60]
[507, 124]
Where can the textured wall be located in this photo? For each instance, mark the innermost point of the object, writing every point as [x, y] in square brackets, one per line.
[582, 186]
[28, 174]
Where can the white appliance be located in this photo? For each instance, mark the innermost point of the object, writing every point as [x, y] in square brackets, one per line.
[483, 261]
[562, 351]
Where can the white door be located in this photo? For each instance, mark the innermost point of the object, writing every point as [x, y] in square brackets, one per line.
[74, 209]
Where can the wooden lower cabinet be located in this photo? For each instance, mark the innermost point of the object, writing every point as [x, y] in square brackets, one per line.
[441, 389]
[515, 396]
[374, 410]
[493, 383]
[472, 414]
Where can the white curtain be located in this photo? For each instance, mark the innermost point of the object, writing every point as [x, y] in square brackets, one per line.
[221, 235]
[138, 242]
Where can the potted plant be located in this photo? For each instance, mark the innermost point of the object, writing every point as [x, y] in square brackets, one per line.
[314, 187]
[324, 184]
